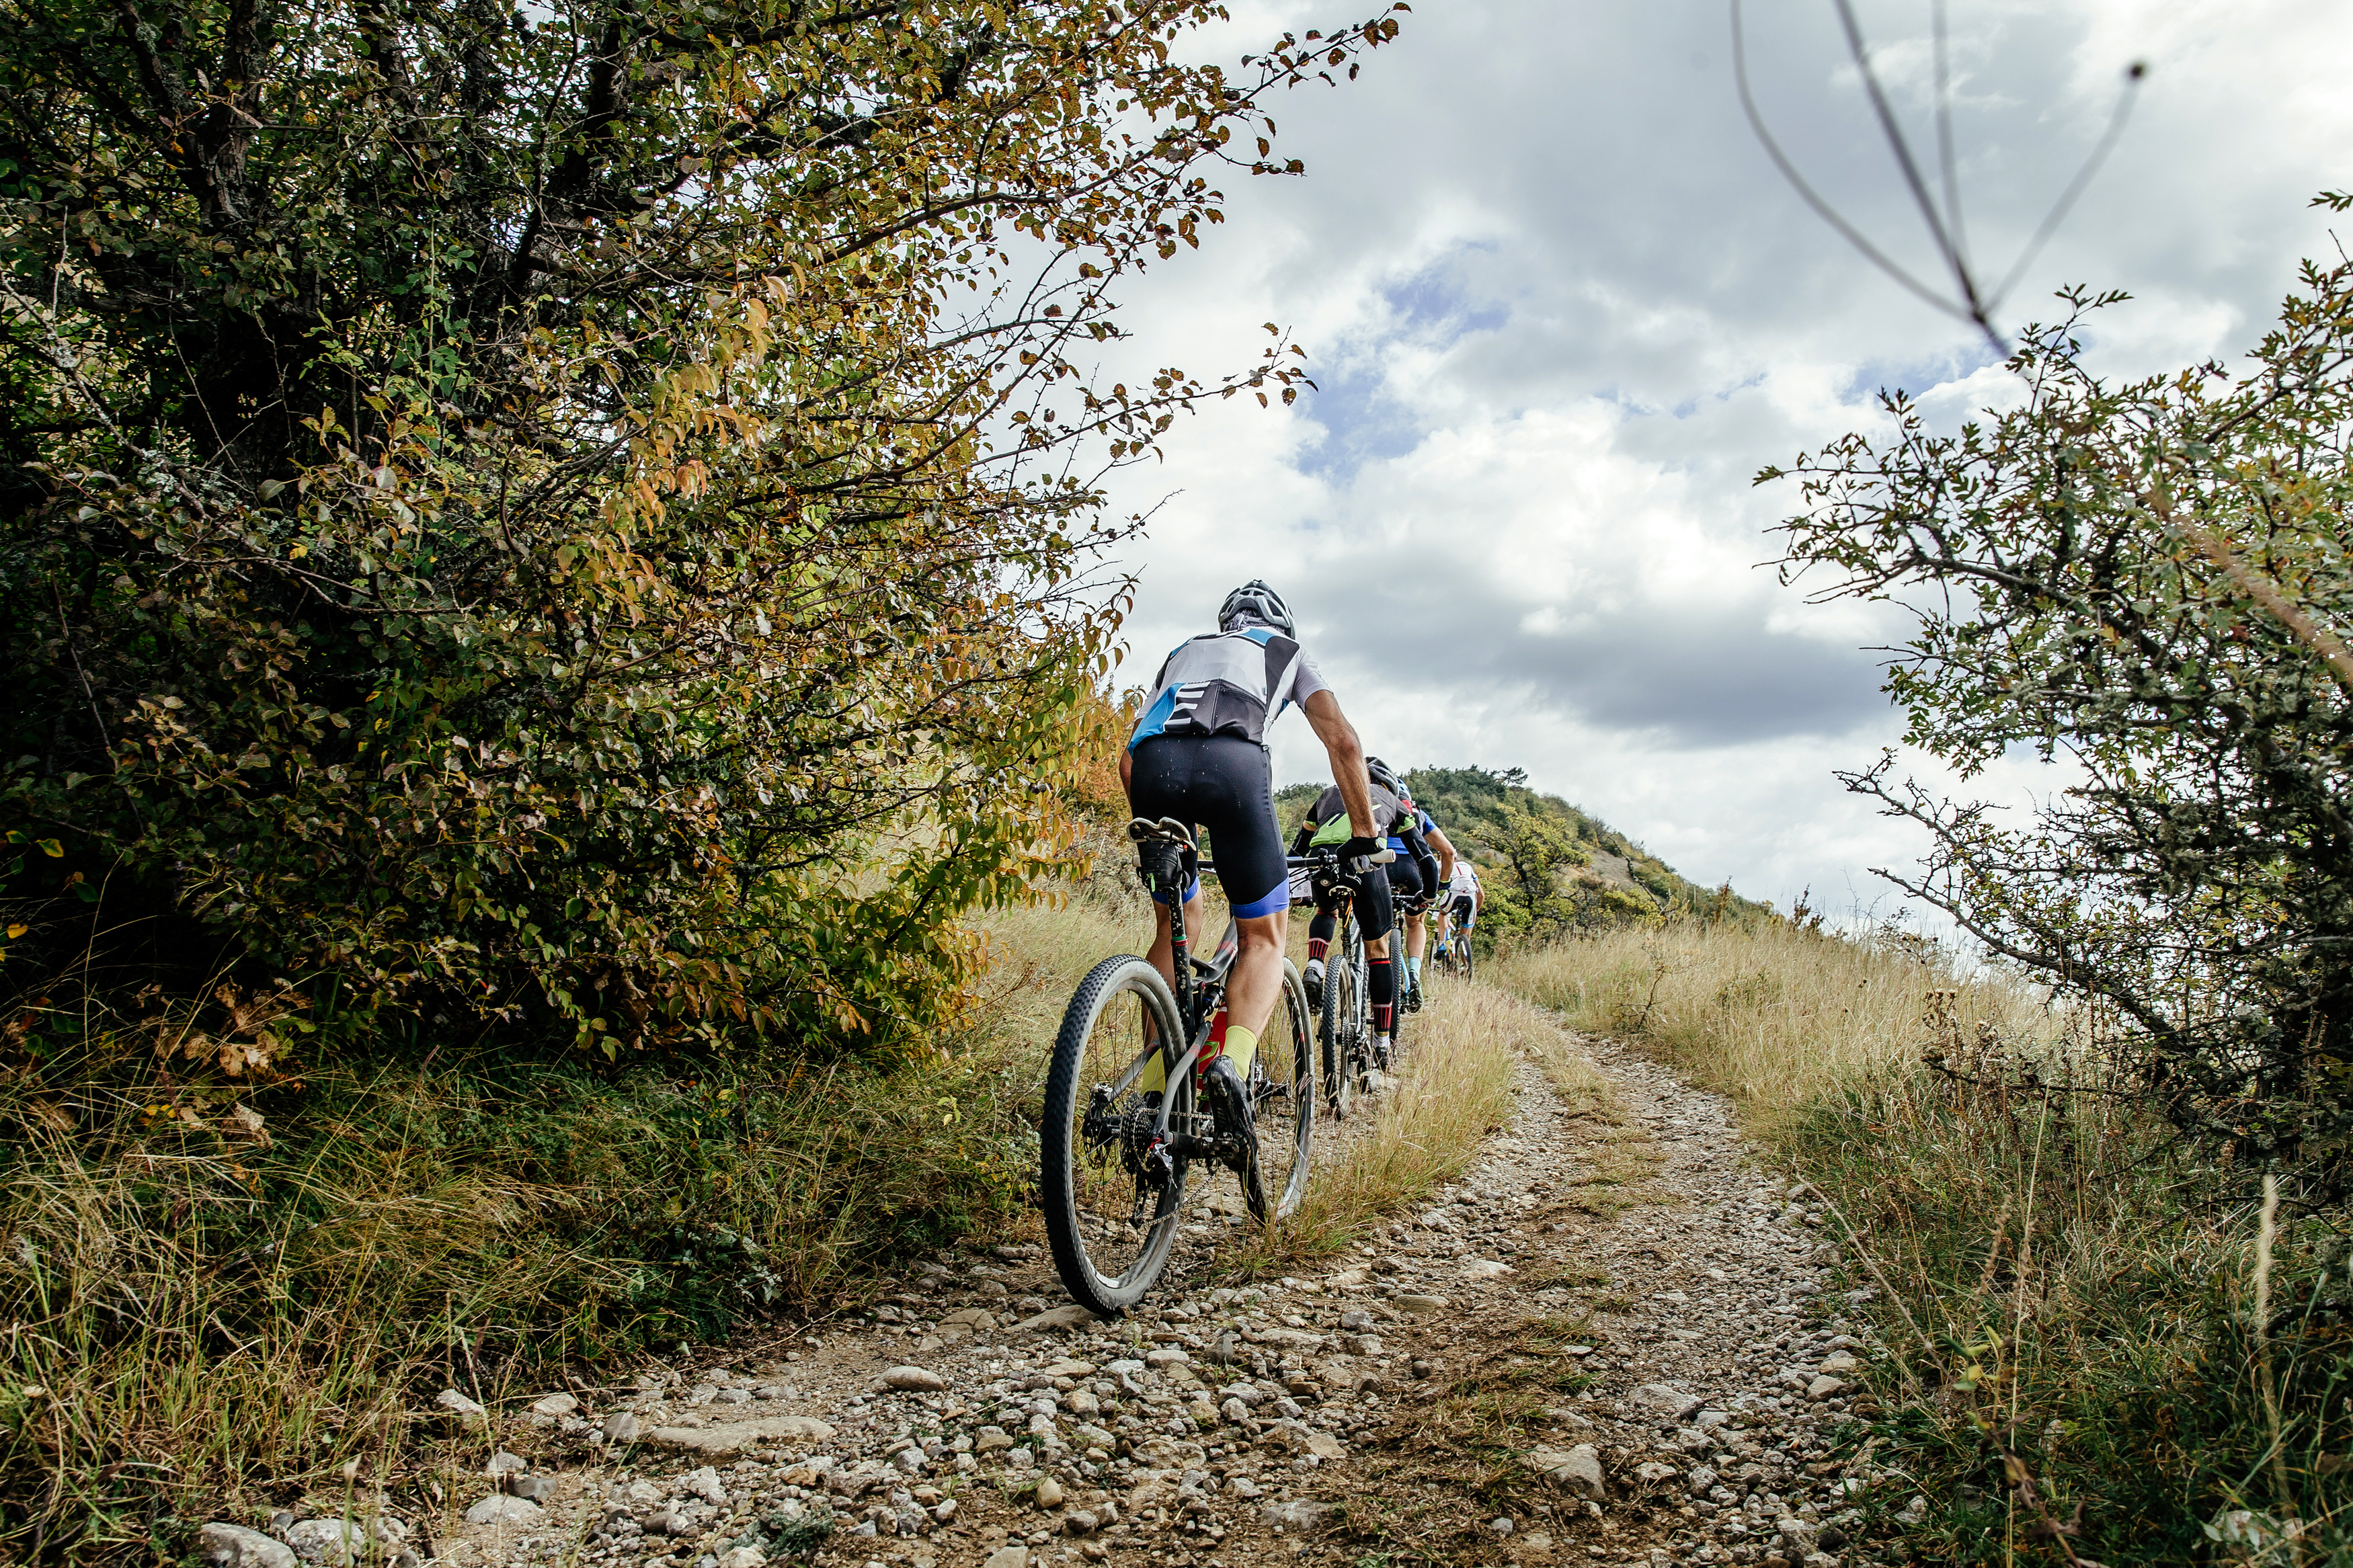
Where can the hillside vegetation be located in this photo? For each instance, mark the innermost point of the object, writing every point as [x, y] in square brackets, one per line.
[1550, 869]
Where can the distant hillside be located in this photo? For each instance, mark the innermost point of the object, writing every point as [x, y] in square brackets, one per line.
[1548, 867]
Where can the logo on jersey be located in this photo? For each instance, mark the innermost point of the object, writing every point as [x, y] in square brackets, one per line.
[1186, 714]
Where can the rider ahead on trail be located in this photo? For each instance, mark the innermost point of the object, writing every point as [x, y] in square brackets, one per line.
[1374, 902]
[1420, 885]
[1198, 754]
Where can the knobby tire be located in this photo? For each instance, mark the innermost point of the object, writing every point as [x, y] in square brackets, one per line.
[1080, 1186]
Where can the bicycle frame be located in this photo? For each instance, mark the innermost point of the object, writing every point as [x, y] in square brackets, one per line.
[1199, 987]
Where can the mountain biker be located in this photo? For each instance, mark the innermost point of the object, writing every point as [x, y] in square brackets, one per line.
[1198, 754]
[1418, 886]
[1375, 899]
[1464, 900]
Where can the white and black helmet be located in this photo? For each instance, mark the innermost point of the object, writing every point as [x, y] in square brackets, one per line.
[1384, 775]
[1256, 599]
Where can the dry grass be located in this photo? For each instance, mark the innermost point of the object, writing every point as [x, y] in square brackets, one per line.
[2062, 1287]
[1452, 1089]
[1773, 1015]
[201, 1326]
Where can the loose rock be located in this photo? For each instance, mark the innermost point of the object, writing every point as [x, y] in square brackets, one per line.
[235, 1546]
[332, 1542]
[1577, 1471]
[1297, 1514]
[503, 1510]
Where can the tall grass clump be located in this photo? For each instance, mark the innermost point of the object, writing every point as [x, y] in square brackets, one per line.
[2085, 1345]
[2077, 1368]
[1774, 1012]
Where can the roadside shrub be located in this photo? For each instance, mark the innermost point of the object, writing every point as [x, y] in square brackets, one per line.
[579, 522]
[2140, 577]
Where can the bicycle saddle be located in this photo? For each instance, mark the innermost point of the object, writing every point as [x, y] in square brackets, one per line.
[1167, 830]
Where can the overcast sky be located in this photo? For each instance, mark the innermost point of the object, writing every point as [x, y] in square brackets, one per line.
[1561, 308]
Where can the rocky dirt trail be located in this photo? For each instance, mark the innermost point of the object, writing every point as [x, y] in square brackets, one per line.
[1609, 1342]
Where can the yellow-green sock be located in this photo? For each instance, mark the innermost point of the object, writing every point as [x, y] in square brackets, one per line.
[1243, 1046]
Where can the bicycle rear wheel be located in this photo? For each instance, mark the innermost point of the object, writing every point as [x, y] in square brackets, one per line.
[1397, 1014]
[1338, 1029]
[1111, 1219]
[1470, 963]
[1282, 1104]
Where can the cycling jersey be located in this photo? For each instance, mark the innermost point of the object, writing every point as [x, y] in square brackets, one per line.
[1418, 820]
[1333, 814]
[1465, 884]
[1227, 683]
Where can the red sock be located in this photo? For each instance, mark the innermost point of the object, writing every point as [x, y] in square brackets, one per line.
[1380, 976]
[1317, 947]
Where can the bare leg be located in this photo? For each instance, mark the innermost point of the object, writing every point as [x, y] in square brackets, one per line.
[1257, 977]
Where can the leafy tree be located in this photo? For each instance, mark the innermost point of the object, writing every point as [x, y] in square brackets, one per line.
[2139, 578]
[576, 515]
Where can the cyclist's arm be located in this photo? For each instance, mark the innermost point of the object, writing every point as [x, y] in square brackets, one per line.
[1445, 854]
[1419, 847]
[1347, 754]
[1126, 772]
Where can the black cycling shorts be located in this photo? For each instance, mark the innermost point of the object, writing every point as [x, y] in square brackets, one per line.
[1225, 783]
[1405, 877]
[1464, 910]
[1376, 915]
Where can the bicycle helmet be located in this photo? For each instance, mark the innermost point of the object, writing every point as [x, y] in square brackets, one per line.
[1384, 775]
[1255, 598]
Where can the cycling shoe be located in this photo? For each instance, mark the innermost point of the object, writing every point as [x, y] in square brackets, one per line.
[1230, 1108]
[1314, 981]
[1228, 1100]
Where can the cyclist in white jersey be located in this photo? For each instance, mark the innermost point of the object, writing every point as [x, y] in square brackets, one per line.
[1464, 901]
[1198, 754]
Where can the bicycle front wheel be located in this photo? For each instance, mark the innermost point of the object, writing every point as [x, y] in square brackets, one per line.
[1282, 1108]
[1109, 1216]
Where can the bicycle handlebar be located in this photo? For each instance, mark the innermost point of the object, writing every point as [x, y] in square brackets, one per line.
[1332, 858]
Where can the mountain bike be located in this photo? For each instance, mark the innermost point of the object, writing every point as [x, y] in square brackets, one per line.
[1343, 1025]
[1116, 1157]
[1454, 955]
[1416, 908]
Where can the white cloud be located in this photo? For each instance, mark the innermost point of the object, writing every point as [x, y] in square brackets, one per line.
[1561, 309]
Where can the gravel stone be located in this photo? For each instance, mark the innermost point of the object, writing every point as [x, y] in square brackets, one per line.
[234, 1546]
